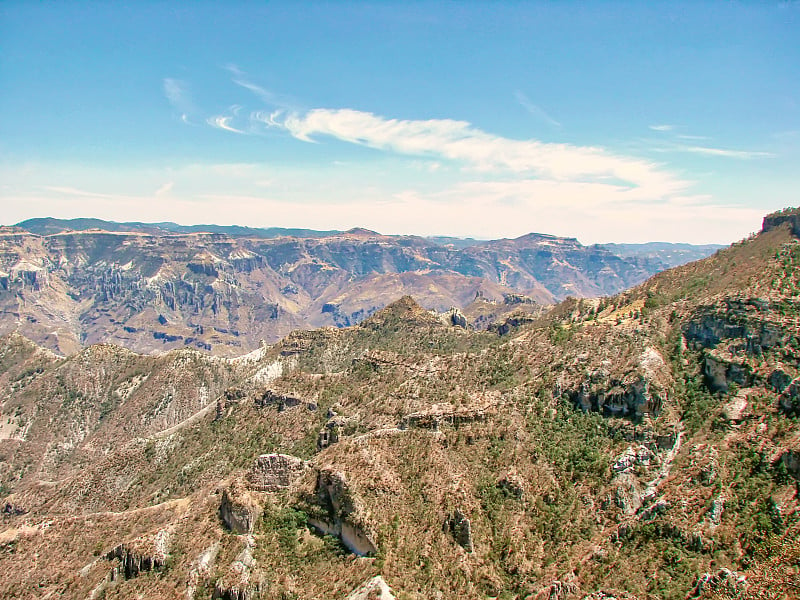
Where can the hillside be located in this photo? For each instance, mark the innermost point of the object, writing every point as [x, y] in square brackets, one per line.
[155, 287]
[643, 445]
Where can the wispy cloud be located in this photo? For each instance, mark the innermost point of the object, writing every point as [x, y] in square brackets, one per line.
[727, 153]
[535, 110]
[268, 97]
[71, 191]
[476, 149]
[177, 94]
[790, 134]
[165, 189]
[673, 146]
[223, 122]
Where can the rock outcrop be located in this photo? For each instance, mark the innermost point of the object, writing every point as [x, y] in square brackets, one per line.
[434, 418]
[559, 590]
[789, 400]
[239, 508]
[279, 401]
[610, 595]
[640, 389]
[723, 580]
[374, 589]
[791, 460]
[332, 431]
[145, 553]
[275, 472]
[458, 525]
[792, 217]
[456, 318]
[632, 396]
[243, 579]
[340, 515]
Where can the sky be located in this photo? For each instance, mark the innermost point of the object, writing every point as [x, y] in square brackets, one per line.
[606, 121]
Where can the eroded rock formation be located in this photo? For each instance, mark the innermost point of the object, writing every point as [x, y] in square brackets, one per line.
[146, 553]
[275, 472]
[239, 508]
[340, 515]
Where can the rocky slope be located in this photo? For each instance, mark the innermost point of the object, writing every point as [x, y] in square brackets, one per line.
[643, 445]
[152, 287]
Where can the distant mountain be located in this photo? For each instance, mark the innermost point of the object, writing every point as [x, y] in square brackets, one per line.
[49, 226]
[150, 286]
[670, 254]
[454, 242]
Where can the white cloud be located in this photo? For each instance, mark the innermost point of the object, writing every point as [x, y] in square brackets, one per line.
[476, 149]
[692, 137]
[662, 127]
[223, 122]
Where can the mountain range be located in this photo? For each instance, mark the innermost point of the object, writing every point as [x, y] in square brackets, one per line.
[151, 287]
[642, 445]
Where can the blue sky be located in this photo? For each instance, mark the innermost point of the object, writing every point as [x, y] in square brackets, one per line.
[607, 121]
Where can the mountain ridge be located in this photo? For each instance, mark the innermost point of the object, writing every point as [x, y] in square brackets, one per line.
[153, 289]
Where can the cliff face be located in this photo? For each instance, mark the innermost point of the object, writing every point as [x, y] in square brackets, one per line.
[153, 290]
[790, 216]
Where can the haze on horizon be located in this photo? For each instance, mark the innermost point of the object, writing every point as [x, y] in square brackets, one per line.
[609, 122]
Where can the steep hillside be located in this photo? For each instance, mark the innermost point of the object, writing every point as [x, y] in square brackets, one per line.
[163, 286]
[643, 445]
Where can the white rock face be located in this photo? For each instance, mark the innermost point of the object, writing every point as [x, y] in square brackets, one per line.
[735, 409]
[374, 589]
[641, 455]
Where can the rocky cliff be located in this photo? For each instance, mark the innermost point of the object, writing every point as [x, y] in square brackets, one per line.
[157, 287]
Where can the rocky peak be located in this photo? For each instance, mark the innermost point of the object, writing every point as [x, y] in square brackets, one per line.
[787, 215]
